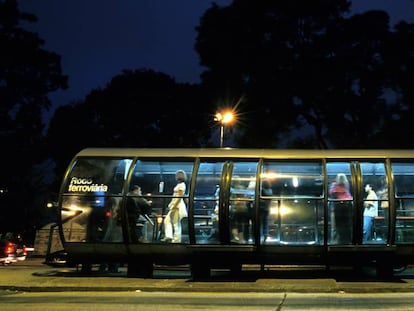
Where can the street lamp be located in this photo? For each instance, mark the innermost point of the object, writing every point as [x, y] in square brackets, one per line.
[224, 118]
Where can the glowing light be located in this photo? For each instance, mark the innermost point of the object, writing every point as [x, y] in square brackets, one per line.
[72, 210]
[224, 118]
[282, 210]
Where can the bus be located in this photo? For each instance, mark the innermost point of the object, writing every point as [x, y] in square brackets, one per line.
[242, 206]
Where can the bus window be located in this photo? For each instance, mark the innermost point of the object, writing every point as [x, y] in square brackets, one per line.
[374, 228]
[296, 202]
[340, 203]
[157, 180]
[91, 187]
[241, 203]
[404, 201]
[206, 203]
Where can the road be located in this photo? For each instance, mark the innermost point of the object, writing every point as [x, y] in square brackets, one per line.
[173, 301]
[33, 276]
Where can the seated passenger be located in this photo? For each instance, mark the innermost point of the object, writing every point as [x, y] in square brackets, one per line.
[137, 208]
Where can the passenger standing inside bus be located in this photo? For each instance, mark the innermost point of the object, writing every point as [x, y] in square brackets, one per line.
[137, 208]
[383, 196]
[177, 210]
[264, 209]
[239, 212]
[342, 208]
[370, 211]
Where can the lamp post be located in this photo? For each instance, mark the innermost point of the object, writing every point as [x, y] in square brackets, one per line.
[224, 118]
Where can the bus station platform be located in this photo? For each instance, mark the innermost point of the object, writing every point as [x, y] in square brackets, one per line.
[33, 275]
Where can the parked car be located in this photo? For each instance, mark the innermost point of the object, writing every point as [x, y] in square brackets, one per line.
[21, 251]
[12, 249]
[7, 252]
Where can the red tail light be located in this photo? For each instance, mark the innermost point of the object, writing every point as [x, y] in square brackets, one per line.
[10, 248]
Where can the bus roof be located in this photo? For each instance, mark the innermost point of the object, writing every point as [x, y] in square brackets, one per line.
[247, 153]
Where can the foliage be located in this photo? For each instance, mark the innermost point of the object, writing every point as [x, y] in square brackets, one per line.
[304, 64]
[140, 108]
[27, 74]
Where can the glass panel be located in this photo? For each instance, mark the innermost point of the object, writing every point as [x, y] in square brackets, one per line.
[101, 175]
[375, 230]
[91, 202]
[206, 203]
[340, 203]
[291, 210]
[404, 209]
[242, 194]
[91, 219]
[166, 185]
[298, 221]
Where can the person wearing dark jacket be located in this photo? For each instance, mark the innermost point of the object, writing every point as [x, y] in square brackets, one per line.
[137, 208]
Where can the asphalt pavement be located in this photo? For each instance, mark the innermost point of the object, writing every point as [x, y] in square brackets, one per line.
[33, 275]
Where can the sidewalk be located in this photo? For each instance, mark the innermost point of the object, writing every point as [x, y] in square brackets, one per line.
[35, 276]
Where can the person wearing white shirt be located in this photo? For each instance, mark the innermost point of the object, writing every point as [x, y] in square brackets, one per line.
[370, 211]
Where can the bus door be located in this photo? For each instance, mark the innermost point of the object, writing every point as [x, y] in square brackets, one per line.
[401, 208]
[291, 208]
[355, 194]
[372, 202]
[209, 197]
[223, 202]
[239, 198]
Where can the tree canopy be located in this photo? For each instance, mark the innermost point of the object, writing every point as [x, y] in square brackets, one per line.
[27, 74]
[305, 64]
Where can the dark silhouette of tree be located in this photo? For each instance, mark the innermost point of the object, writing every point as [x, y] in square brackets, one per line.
[140, 108]
[27, 74]
[343, 100]
[304, 64]
[398, 130]
[256, 49]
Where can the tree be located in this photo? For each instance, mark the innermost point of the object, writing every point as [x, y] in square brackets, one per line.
[304, 64]
[27, 74]
[254, 48]
[398, 130]
[138, 108]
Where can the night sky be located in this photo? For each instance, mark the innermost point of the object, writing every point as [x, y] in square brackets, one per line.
[97, 39]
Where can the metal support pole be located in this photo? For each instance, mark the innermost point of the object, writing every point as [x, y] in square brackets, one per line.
[221, 135]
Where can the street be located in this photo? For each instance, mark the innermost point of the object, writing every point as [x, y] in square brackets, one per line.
[151, 301]
[31, 285]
